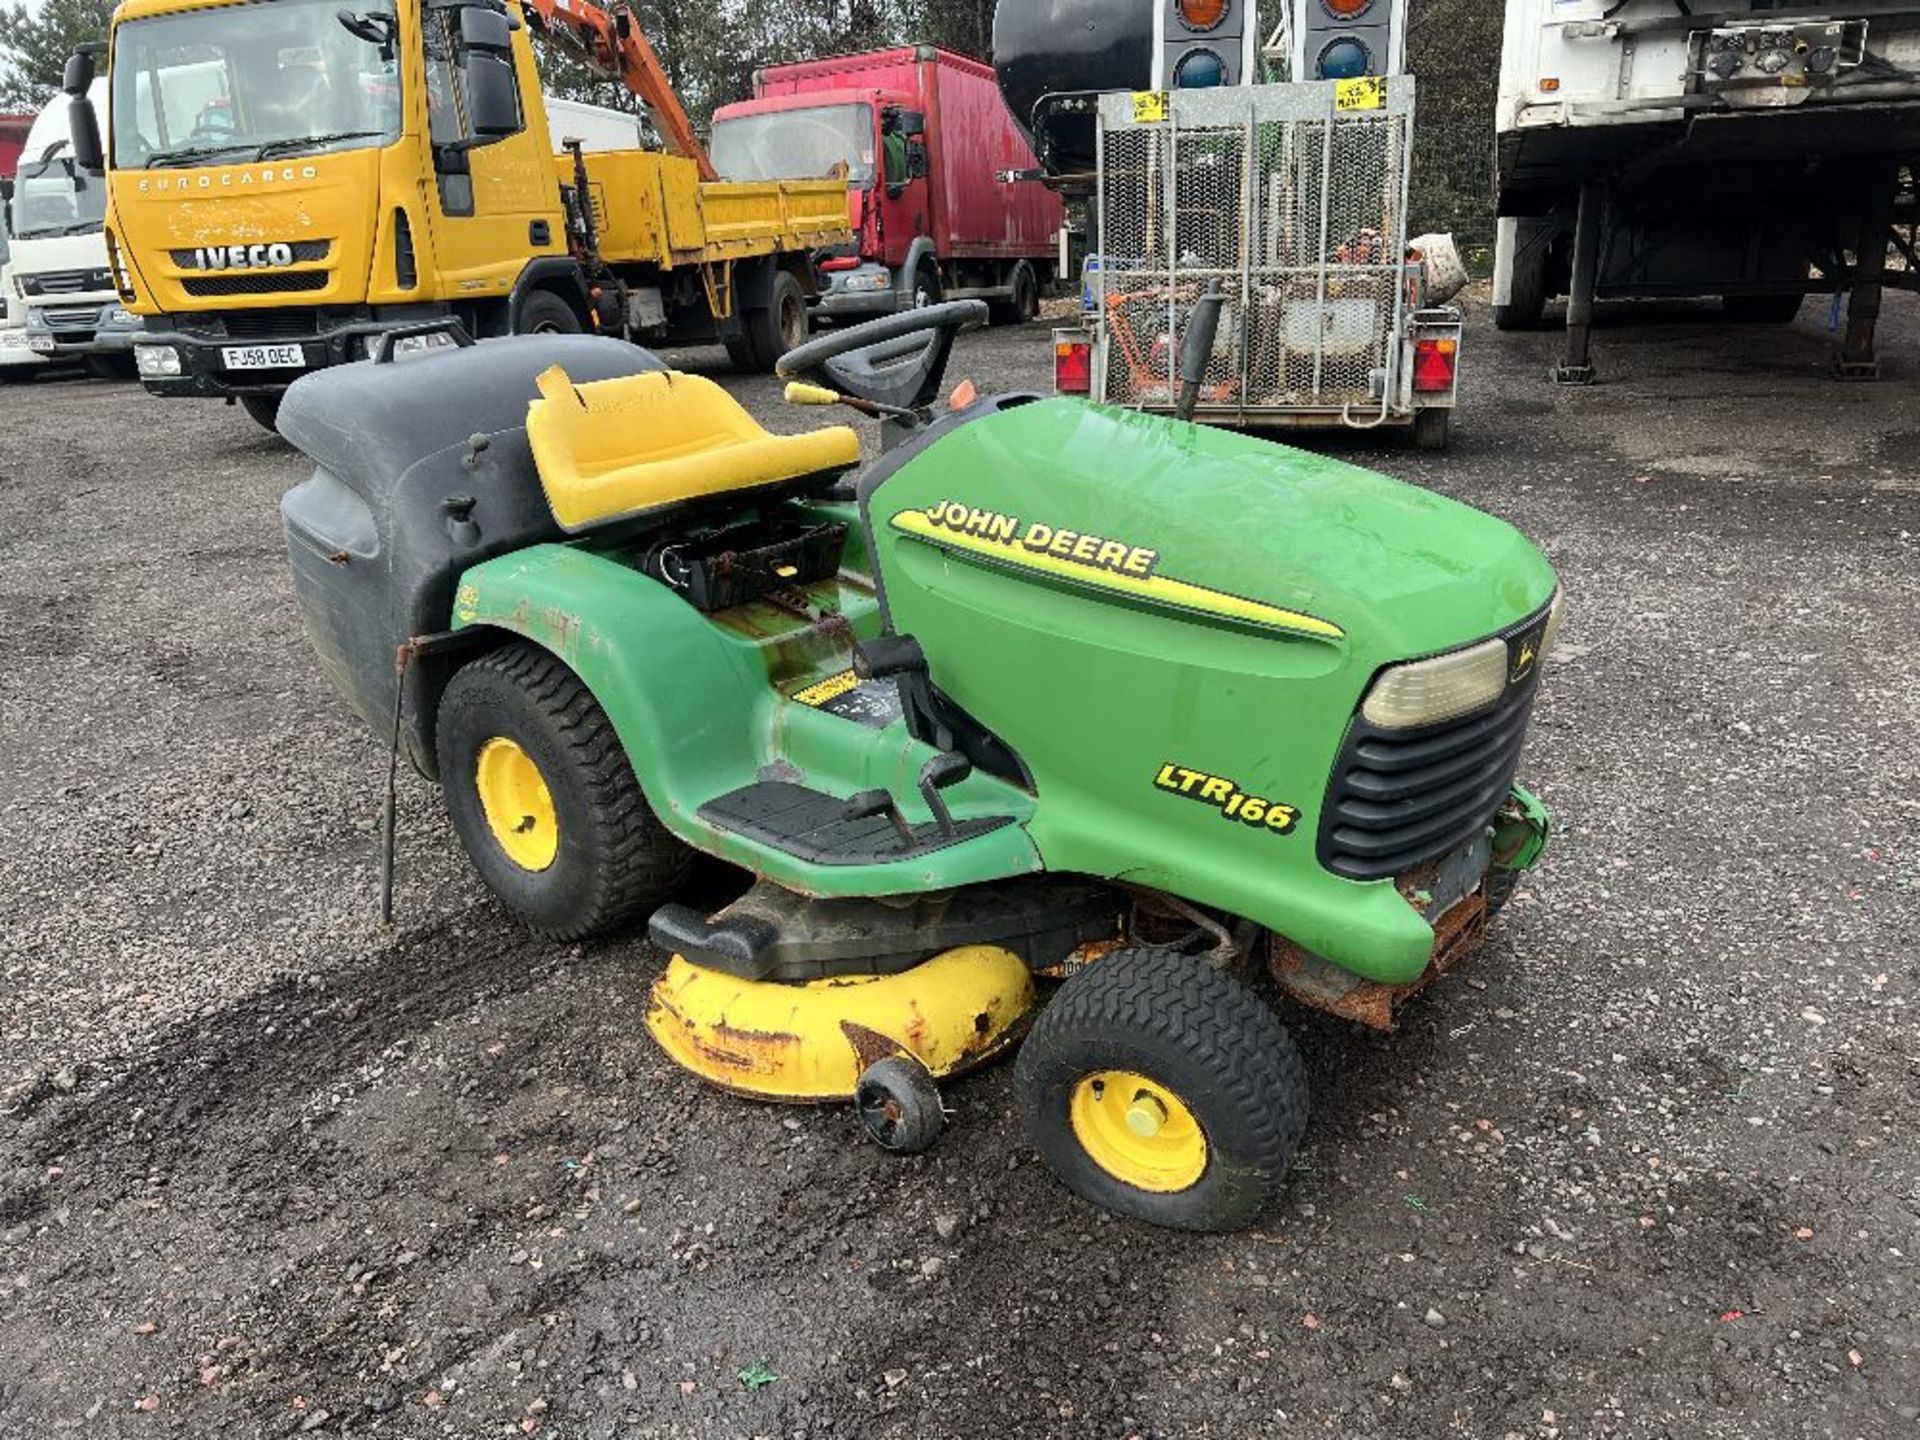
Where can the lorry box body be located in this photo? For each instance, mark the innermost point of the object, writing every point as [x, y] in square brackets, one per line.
[58, 255]
[945, 213]
[1739, 152]
[289, 188]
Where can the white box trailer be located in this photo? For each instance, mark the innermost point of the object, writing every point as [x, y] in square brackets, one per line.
[1749, 149]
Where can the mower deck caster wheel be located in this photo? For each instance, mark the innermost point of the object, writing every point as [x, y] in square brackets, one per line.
[900, 1106]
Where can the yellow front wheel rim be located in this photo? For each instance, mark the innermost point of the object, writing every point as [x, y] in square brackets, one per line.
[1138, 1131]
[518, 805]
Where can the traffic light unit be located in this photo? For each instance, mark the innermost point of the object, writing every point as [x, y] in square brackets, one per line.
[1201, 44]
[1346, 39]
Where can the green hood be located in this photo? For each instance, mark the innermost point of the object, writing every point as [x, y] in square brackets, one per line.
[1402, 572]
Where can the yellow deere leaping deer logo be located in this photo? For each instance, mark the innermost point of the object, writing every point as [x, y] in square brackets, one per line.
[1526, 654]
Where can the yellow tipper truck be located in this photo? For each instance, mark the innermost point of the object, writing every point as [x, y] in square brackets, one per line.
[295, 185]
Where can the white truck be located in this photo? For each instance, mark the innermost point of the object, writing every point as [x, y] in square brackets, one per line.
[1752, 150]
[16, 360]
[60, 252]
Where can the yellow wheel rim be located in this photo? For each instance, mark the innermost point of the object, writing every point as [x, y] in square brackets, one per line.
[517, 804]
[1138, 1131]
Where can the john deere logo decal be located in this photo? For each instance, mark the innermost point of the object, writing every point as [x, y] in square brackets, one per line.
[1526, 657]
[1096, 561]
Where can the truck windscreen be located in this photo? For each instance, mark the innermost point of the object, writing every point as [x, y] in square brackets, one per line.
[810, 144]
[253, 82]
[51, 197]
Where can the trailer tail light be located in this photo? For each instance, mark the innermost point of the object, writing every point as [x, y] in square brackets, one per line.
[1436, 365]
[1072, 365]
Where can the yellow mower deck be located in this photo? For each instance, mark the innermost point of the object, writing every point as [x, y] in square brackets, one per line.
[810, 1043]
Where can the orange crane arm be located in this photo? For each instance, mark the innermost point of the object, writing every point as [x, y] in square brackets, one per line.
[611, 43]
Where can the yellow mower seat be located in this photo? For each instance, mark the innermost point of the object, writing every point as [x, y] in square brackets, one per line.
[619, 449]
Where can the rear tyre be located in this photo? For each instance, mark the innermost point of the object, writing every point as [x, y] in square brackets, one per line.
[900, 1106]
[1158, 1088]
[1433, 429]
[781, 326]
[544, 799]
[741, 353]
[1023, 303]
[545, 313]
[1527, 299]
[1763, 309]
[263, 410]
[1500, 885]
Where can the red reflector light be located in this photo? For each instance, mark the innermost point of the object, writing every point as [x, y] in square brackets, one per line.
[1435, 365]
[845, 262]
[1073, 367]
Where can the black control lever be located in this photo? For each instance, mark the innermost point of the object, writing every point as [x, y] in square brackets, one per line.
[869, 803]
[936, 775]
[886, 656]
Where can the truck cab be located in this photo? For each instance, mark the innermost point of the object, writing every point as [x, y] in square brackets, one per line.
[924, 142]
[58, 255]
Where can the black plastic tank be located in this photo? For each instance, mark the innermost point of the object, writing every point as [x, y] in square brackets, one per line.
[401, 502]
[1054, 55]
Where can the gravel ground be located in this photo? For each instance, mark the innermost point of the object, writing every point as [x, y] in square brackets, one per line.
[1643, 1169]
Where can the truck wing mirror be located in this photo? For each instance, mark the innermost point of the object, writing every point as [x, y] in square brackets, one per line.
[485, 31]
[912, 123]
[82, 68]
[89, 152]
[493, 97]
[919, 164]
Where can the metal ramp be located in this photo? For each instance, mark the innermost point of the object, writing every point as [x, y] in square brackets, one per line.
[1295, 197]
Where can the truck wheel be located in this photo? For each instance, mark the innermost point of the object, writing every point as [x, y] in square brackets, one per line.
[263, 410]
[1433, 429]
[545, 313]
[927, 289]
[741, 353]
[1527, 300]
[1023, 303]
[111, 367]
[1762, 309]
[781, 326]
[545, 801]
[1158, 1088]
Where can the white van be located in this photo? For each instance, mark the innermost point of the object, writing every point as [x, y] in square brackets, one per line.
[60, 251]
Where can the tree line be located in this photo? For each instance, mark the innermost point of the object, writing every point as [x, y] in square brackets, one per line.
[709, 51]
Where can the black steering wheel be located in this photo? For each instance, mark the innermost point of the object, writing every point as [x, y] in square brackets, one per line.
[898, 360]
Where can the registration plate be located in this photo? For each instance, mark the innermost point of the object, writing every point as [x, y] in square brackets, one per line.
[41, 344]
[264, 357]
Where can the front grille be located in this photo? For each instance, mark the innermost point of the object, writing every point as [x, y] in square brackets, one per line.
[212, 287]
[302, 252]
[66, 282]
[1402, 798]
[72, 317]
[272, 324]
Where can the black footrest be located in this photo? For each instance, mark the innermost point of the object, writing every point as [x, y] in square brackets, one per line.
[813, 826]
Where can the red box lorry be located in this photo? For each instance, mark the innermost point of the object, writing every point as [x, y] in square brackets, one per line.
[924, 138]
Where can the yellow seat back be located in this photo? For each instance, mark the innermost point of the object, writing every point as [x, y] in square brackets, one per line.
[619, 449]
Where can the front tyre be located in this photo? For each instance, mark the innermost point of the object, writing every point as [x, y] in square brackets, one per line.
[263, 410]
[1159, 1089]
[544, 799]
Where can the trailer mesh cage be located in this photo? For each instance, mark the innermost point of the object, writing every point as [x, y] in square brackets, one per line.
[1294, 197]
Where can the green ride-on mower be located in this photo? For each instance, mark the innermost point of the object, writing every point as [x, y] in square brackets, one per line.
[1052, 698]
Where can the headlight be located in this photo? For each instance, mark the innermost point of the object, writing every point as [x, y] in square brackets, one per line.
[1432, 692]
[157, 360]
[1428, 692]
[123, 319]
[869, 282]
